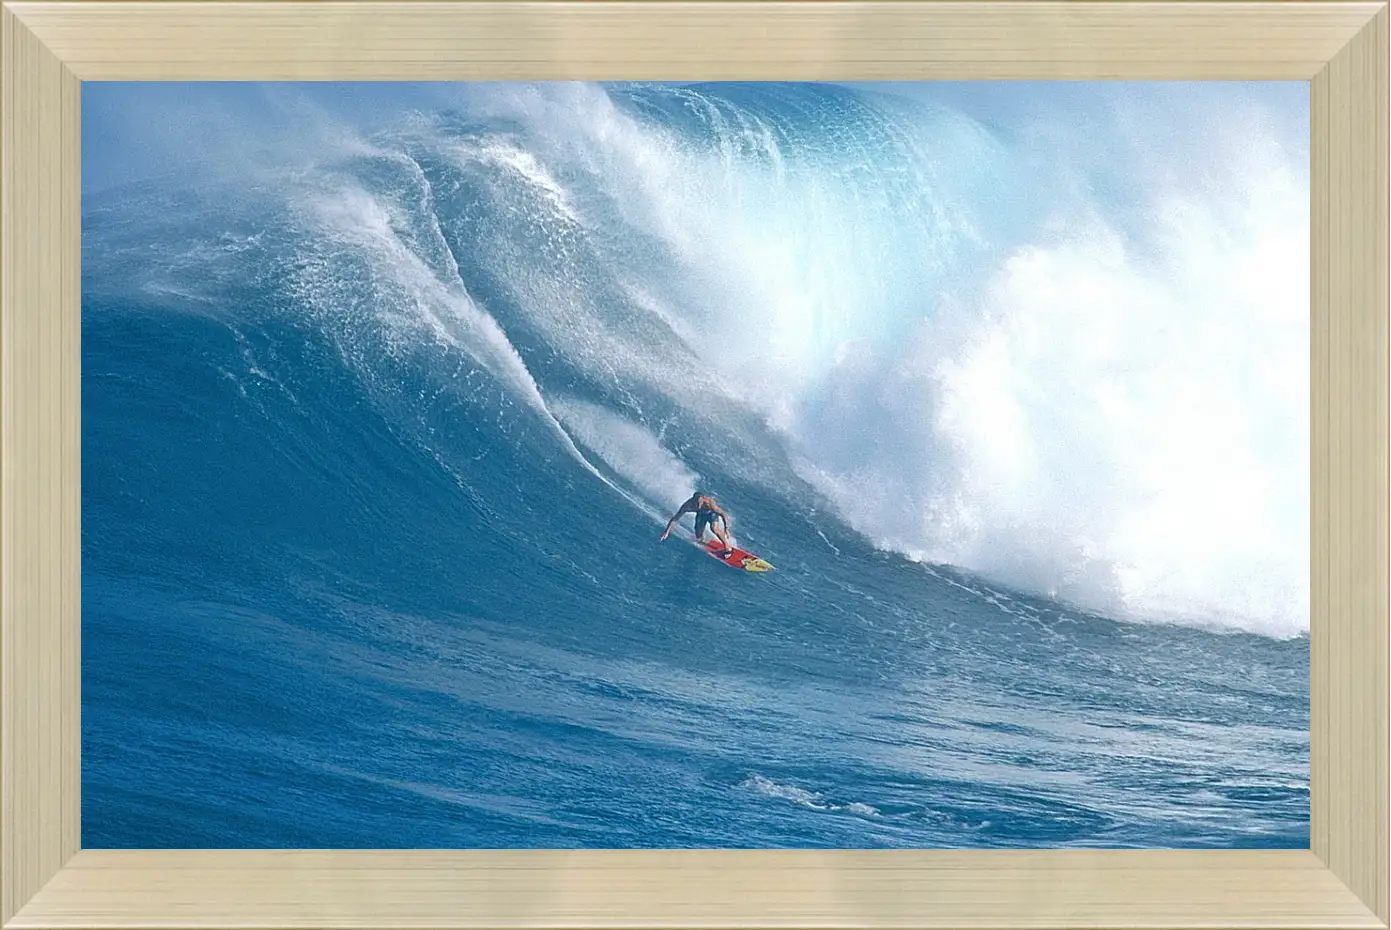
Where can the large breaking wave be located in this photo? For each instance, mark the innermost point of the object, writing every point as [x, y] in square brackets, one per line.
[878, 312]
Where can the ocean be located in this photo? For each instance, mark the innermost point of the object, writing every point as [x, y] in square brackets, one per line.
[381, 429]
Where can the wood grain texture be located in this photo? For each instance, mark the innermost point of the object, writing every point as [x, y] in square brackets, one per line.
[39, 399]
[1351, 510]
[699, 889]
[1341, 881]
[511, 39]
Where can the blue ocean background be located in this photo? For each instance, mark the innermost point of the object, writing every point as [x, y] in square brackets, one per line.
[384, 409]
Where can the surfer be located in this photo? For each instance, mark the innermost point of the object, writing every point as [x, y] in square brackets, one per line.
[707, 512]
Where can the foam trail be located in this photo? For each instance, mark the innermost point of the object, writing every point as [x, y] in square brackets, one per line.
[634, 454]
[445, 310]
[631, 451]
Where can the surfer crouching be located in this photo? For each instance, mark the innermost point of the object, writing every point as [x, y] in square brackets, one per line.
[707, 512]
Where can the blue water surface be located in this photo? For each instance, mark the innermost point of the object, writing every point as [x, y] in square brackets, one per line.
[376, 450]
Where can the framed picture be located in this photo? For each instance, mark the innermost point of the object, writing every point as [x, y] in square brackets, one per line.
[485, 393]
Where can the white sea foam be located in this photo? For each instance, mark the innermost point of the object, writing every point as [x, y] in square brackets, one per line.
[1128, 433]
[1115, 413]
[805, 798]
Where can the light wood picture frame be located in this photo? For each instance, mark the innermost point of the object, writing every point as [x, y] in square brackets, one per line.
[50, 48]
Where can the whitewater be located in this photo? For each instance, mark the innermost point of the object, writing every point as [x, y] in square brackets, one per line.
[382, 424]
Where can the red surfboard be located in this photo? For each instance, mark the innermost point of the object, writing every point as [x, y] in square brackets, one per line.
[737, 558]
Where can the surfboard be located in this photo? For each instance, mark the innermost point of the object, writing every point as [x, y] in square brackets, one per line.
[737, 558]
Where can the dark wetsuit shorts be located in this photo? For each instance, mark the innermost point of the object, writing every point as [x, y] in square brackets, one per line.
[704, 518]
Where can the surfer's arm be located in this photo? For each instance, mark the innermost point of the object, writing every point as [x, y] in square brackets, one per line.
[672, 522]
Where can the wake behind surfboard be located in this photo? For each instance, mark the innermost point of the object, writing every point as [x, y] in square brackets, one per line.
[737, 558]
